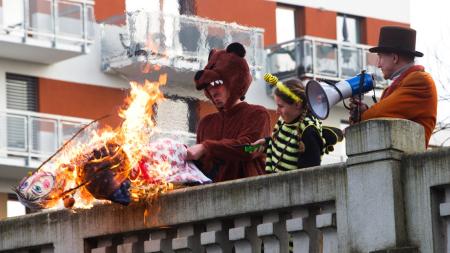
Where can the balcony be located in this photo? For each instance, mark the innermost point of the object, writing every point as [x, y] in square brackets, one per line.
[311, 57]
[28, 138]
[45, 31]
[175, 42]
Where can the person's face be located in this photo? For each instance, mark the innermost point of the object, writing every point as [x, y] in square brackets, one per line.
[387, 62]
[288, 112]
[218, 95]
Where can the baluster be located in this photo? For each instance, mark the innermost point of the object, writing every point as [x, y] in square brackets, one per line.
[188, 240]
[215, 239]
[273, 233]
[326, 223]
[296, 227]
[104, 245]
[444, 211]
[159, 242]
[243, 236]
[131, 244]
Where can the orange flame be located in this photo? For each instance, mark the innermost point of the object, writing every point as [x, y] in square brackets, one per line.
[133, 137]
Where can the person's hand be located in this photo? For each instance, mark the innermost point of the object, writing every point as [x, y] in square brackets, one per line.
[355, 105]
[195, 152]
[260, 144]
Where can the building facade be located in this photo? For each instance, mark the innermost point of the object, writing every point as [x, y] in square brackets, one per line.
[59, 68]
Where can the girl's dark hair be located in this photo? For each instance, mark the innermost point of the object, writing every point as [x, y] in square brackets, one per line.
[297, 87]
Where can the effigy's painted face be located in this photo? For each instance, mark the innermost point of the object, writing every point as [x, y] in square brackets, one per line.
[36, 186]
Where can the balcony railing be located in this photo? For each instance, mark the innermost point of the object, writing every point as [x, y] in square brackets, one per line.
[64, 25]
[175, 41]
[27, 138]
[321, 58]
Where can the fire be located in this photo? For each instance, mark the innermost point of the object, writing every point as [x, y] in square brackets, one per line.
[116, 155]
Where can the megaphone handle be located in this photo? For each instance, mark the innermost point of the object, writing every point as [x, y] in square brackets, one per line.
[360, 93]
[356, 114]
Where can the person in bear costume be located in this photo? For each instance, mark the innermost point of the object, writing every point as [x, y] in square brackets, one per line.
[221, 136]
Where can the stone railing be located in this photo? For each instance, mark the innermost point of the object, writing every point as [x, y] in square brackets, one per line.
[390, 196]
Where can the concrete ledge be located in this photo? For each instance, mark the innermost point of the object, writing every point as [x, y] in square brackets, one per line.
[228, 199]
[380, 134]
[375, 156]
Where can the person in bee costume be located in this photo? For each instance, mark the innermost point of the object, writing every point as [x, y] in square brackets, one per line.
[298, 140]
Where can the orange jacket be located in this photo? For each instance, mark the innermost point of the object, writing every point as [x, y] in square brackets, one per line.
[413, 97]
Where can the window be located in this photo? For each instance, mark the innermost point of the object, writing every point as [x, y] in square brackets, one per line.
[21, 92]
[348, 28]
[285, 24]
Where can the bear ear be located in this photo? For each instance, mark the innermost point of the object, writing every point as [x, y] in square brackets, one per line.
[236, 48]
[213, 51]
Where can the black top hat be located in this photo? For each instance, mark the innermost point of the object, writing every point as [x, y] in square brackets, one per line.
[394, 39]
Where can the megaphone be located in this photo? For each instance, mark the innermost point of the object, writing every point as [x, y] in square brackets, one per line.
[322, 96]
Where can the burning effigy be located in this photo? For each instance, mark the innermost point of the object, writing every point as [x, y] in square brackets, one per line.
[120, 165]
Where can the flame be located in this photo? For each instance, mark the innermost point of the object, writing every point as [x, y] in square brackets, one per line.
[106, 146]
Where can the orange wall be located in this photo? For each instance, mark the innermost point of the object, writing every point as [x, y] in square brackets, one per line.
[78, 100]
[259, 13]
[105, 9]
[371, 29]
[316, 22]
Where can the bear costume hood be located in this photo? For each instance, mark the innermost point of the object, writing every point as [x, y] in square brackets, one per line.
[226, 67]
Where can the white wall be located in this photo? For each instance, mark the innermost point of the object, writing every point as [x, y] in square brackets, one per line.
[397, 10]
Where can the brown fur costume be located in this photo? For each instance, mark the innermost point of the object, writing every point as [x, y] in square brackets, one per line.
[224, 133]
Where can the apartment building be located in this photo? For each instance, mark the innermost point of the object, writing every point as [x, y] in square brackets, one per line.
[64, 63]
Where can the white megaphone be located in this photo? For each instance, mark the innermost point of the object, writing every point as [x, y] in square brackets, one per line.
[322, 96]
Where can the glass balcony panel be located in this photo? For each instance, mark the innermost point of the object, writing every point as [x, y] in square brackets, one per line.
[214, 37]
[12, 15]
[244, 37]
[140, 31]
[40, 18]
[371, 66]
[326, 59]
[90, 22]
[281, 60]
[350, 62]
[306, 57]
[16, 133]
[69, 129]
[115, 39]
[190, 37]
[69, 19]
[175, 41]
[44, 135]
[260, 56]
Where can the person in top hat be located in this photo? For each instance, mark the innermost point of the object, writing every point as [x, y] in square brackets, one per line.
[223, 135]
[412, 93]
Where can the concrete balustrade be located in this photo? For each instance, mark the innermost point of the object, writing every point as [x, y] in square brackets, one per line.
[390, 196]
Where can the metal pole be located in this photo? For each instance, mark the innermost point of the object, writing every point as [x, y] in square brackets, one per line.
[26, 19]
[54, 10]
[84, 18]
[29, 138]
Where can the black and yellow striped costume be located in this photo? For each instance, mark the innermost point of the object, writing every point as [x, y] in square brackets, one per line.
[288, 149]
